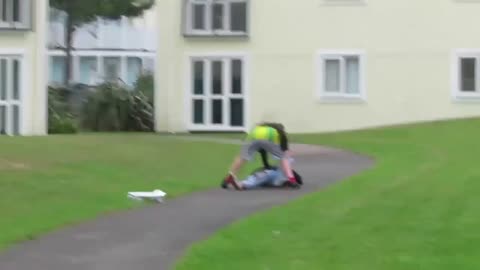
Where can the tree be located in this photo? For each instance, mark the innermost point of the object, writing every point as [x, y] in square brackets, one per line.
[81, 12]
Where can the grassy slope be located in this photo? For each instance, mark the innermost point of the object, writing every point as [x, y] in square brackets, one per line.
[47, 182]
[417, 209]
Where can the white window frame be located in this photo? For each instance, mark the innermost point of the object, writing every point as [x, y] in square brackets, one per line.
[12, 55]
[25, 15]
[208, 17]
[323, 95]
[456, 77]
[99, 56]
[207, 97]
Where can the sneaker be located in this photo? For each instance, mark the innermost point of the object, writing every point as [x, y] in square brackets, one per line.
[229, 180]
[224, 184]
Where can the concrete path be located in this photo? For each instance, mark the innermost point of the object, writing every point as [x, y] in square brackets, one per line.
[155, 237]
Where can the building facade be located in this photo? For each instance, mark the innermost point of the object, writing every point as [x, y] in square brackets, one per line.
[23, 76]
[103, 50]
[315, 65]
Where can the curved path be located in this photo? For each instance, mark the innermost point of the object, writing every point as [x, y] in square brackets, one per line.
[156, 236]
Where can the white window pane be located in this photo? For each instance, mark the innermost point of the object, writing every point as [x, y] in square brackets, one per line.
[198, 112]
[16, 120]
[352, 75]
[467, 71]
[112, 68]
[218, 16]
[238, 17]
[134, 69]
[217, 77]
[332, 75]
[237, 76]
[236, 112]
[3, 79]
[16, 79]
[198, 73]
[3, 119]
[4, 11]
[88, 70]
[16, 10]
[217, 111]
[199, 11]
[57, 69]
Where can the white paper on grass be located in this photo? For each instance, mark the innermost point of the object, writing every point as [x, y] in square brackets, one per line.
[156, 195]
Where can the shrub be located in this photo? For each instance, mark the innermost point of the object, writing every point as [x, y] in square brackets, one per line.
[145, 84]
[141, 114]
[60, 119]
[106, 109]
[114, 108]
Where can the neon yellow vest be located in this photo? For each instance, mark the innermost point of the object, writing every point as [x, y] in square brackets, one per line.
[264, 133]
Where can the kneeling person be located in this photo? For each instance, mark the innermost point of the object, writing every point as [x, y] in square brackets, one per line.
[264, 138]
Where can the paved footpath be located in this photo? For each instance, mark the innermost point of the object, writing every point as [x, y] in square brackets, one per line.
[156, 236]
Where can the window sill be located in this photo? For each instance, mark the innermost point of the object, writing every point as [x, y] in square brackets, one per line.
[467, 1]
[15, 27]
[343, 99]
[334, 3]
[466, 98]
[214, 128]
[216, 34]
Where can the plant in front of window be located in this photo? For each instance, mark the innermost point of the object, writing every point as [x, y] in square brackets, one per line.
[81, 12]
[60, 118]
[111, 107]
[145, 84]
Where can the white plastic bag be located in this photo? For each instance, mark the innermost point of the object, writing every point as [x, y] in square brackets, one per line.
[156, 195]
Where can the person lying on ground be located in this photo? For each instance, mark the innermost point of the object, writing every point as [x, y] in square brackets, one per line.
[263, 178]
[267, 138]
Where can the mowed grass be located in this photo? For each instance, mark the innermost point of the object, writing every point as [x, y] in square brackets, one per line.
[418, 208]
[47, 182]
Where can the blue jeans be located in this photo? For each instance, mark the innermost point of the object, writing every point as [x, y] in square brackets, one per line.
[265, 178]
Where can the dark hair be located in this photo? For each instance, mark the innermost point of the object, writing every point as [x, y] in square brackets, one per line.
[278, 126]
[298, 177]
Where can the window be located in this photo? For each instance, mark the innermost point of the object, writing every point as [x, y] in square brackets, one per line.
[466, 74]
[88, 70]
[58, 65]
[15, 14]
[217, 93]
[468, 67]
[216, 17]
[10, 95]
[341, 75]
[111, 69]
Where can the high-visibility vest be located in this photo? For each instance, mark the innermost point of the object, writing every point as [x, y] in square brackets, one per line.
[264, 133]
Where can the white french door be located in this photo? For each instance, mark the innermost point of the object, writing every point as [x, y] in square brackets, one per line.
[217, 94]
[10, 95]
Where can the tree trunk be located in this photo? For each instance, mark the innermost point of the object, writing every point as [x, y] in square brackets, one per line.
[68, 50]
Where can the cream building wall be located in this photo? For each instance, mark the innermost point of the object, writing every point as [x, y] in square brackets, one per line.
[408, 48]
[29, 46]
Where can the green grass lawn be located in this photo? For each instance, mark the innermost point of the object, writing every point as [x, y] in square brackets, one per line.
[418, 208]
[47, 182]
